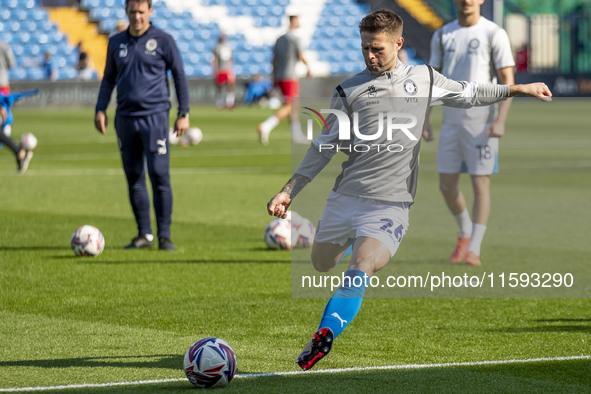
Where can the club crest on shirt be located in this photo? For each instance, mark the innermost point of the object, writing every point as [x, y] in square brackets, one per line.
[122, 50]
[372, 91]
[473, 46]
[151, 46]
[410, 87]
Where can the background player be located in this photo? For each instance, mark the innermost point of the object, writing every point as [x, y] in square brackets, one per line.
[7, 61]
[470, 48]
[372, 196]
[286, 53]
[23, 156]
[223, 73]
[137, 62]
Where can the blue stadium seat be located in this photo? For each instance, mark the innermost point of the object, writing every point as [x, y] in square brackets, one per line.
[179, 24]
[35, 73]
[89, 4]
[183, 47]
[17, 74]
[205, 35]
[29, 26]
[56, 37]
[51, 48]
[21, 37]
[191, 58]
[66, 51]
[241, 58]
[260, 11]
[161, 23]
[19, 14]
[191, 24]
[204, 71]
[165, 14]
[17, 49]
[45, 26]
[107, 25]
[66, 73]
[336, 56]
[189, 69]
[31, 50]
[277, 11]
[13, 26]
[99, 13]
[60, 61]
[272, 21]
[176, 35]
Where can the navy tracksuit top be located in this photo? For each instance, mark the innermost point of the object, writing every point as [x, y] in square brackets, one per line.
[138, 67]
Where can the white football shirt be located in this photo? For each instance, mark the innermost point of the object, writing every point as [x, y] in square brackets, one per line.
[471, 54]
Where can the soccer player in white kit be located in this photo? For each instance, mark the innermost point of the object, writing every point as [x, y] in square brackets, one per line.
[370, 201]
[471, 48]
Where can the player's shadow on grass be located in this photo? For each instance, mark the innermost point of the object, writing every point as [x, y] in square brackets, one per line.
[31, 248]
[168, 361]
[97, 261]
[553, 325]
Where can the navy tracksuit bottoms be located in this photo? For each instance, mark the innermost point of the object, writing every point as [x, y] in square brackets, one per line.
[143, 143]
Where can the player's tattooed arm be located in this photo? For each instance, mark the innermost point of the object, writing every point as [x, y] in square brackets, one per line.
[280, 203]
[295, 185]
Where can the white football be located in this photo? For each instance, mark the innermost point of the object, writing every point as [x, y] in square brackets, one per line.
[193, 137]
[87, 240]
[304, 230]
[210, 362]
[173, 138]
[28, 141]
[279, 235]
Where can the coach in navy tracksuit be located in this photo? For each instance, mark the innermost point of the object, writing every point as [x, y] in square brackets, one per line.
[137, 63]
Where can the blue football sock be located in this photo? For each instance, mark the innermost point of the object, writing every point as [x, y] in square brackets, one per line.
[345, 302]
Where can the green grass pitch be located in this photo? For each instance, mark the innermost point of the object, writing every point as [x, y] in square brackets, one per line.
[129, 316]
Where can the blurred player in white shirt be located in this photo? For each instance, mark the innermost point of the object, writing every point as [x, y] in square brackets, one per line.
[471, 48]
[224, 74]
[287, 53]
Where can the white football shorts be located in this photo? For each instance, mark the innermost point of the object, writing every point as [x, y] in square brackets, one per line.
[346, 218]
[465, 148]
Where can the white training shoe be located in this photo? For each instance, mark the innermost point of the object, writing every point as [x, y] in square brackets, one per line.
[23, 164]
[263, 134]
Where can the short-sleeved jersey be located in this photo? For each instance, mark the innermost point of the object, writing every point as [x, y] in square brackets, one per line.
[223, 54]
[381, 166]
[286, 54]
[471, 54]
[138, 67]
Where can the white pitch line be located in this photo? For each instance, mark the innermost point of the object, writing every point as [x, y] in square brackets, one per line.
[301, 373]
[173, 171]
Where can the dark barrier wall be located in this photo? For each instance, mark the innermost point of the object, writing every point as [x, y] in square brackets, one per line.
[74, 93]
[562, 85]
[79, 93]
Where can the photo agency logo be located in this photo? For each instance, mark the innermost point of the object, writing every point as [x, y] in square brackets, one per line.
[393, 129]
